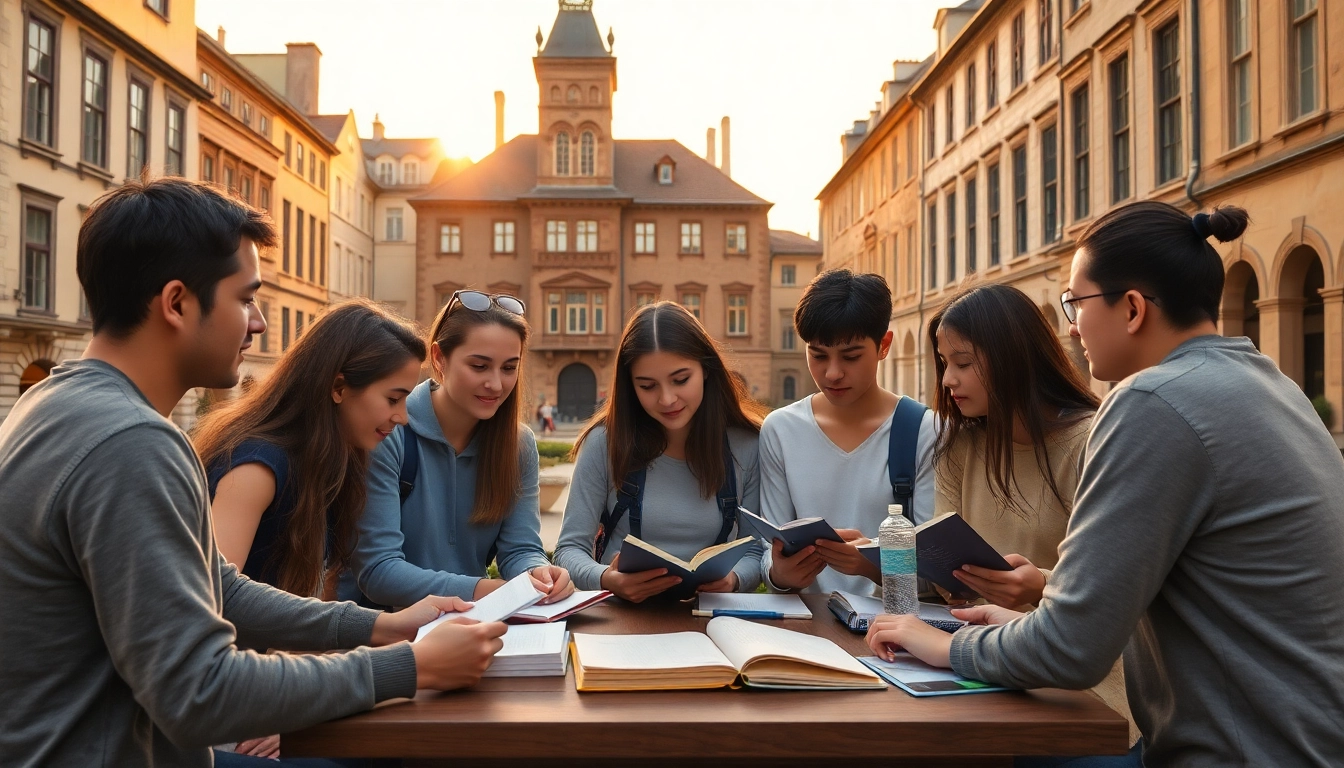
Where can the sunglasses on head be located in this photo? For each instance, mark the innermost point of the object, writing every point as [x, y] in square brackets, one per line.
[480, 302]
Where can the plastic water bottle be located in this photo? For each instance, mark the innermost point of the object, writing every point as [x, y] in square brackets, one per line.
[900, 588]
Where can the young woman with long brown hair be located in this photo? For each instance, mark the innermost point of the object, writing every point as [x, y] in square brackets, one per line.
[679, 414]
[465, 493]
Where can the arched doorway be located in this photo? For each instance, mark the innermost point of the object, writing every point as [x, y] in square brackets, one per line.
[1301, 319]
[577, 394]
[1313, 331]
[35, 372]
[1241, 289]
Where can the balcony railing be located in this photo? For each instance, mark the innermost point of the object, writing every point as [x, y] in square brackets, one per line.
[575, 259]
[565, 341]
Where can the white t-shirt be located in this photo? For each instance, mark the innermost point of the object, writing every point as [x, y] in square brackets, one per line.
[804, 474]
[547, 411]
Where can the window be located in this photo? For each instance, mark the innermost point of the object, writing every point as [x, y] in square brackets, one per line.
[585, 236]
[289, 146]
[158, 6]
[1019, 43]
[1050, 184]
[1046, 27]
[298, 159]
[788, 337]
[207, 168]
[246, 190]
[321, 256]
[691, 301]
[266, 337]
[557, 236]
[208, 81]
[264, 126]
[665, 173]
[949, 121]
[972, 219]
[1168, 92]
[312, 166]
[138, 125]
[386, 171]
[394, 224]
[931, 134]
[562, 154]
[1082, 162]
[553, 313]
[1239, 33]
[790, 388]
[1119, 76]
[1020, 200]
[735, 238]
[226, 100]
[737, 314]
[284, 247]
[644, 298]
[932, 279]
[312, 248]
[298, 241]
[788, 274]
[230, 172]
[322, 174]
[298, 324]
[94, 148]
[992, 206]
[599, 313]
[970, 94]
[690, 237]
[410, 172]
[504, 237]
[264, 198]
[37, 266]
[450, 238]
[951, 276]
[1302, 46]
[992, 75]
[247, 114]
[586, 149]
[177, 118]
[284, 329]
[39, 83]
[576, 310]
[645, 237]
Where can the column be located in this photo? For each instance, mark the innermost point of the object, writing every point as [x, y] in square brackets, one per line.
[1281, 333]
[1334, 351]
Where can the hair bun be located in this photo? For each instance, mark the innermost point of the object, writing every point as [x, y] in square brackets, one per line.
[1201, 224]
[1227, 223]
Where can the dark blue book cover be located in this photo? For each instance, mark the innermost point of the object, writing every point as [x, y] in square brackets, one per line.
[709, 564]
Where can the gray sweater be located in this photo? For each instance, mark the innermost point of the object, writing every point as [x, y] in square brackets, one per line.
[1207, 544]
[120, 622]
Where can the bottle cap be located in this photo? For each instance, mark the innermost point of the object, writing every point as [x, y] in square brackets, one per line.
[895, 510]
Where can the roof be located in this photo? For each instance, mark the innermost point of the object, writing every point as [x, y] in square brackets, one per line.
[574, 34]
[783, 241]
[329, 125]
[509, 174]
[400, 147]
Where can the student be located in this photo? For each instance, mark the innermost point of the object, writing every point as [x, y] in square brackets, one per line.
[827, 454]
[471, 473]
[677, 414]
[1206, 526]
[122, 620]
[1015, 415]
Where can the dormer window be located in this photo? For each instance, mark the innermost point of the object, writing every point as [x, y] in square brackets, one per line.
[665, 170]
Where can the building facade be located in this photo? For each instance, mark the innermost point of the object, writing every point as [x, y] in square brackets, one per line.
[350, 192]
[84, 105]
[585, 227]
[794, 260]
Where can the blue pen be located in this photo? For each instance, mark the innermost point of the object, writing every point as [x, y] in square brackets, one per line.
[740, 614]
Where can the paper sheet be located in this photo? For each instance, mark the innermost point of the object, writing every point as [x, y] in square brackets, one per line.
[786, 605]
[516, 594]
[533, 640]
[667, 651]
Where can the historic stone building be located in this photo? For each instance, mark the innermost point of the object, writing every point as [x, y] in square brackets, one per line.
[584, 227]
[351, 194]
[794, 260]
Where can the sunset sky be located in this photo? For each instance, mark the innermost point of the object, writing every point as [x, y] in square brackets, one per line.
[791, 74]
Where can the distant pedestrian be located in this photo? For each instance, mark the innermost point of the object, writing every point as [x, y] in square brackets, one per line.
[547, 419]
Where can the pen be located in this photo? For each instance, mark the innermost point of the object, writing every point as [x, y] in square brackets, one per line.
[741, 614]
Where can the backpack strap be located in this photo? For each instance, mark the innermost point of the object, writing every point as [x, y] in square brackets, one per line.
[410, 462]
[902, 446]
[629, 498]
[727, 495]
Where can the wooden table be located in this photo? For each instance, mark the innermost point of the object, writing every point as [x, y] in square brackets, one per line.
[518, 721]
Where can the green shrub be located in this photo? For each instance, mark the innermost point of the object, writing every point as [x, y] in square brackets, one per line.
[554, 449]
[1324, 410]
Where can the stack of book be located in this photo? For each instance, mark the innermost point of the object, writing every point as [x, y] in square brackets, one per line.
[533, 650]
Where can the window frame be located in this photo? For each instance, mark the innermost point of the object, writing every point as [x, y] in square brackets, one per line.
[743, 312]
[160, 12]
[735, 231]
[950, 257]
[950, 115]
[1240, 75]
[696, 307]
[1019, 50]
[692, 238]
[789, 277]
[560, 157]
[585, 236]
[1169, 155]
[450, 238]
[994, 211]
[1020, 161]
[931, 279]
[1120, 127]
[646, 237]
[992, 74]
[1045, 31]
[173, 107]
[972, 223]
[399, 218]
[587, 154]
[557, 236]
[1050, 218]
[104, 58]
[48, 205]
[970, 95]
[1080, 105]
[1295, 24]
[505, 236]
[132, 82]
[52, 24]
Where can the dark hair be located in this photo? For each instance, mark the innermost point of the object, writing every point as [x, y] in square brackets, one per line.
[634, 438]
[498, 479]
[144, 234]
[840, 306]
[291, 409]
[1026, 375]
[1158, 250]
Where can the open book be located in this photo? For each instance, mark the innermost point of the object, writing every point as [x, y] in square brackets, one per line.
[760, 655]
[795, 534]
[563, 609]
[709, 564]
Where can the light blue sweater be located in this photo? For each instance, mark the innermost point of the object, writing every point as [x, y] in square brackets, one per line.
[430, 547]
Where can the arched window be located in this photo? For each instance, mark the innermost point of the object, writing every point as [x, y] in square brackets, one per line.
[562, 154]
[586, 154]
[572, 96]
[555, 93]
[790, 388]
[593, 96]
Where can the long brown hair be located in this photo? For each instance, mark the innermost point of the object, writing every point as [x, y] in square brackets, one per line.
[292, 409]
[497, 476]
[634, 438]
[1026, 375]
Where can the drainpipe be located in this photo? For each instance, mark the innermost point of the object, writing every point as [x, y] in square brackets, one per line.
[1196, 135]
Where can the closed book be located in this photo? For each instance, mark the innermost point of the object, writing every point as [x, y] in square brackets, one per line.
[709, 564]
[532, 650]
[556, 611]
[919, 679]
[730, 652]
[795, 534]
[948, 542]
[857, 611]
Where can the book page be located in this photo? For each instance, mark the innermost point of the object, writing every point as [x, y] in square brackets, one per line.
[784, 605]
[675, 650]
[647, 547]
[534, 640]
[516, 594]
[550, 611]
[744, 641]
[710, 552]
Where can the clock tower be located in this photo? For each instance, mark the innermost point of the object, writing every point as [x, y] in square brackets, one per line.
[576, 77]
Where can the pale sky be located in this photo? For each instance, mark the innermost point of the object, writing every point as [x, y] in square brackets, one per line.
[792, 74]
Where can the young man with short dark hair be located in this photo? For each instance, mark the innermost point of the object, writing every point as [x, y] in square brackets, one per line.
[122, 625]
[827, 454]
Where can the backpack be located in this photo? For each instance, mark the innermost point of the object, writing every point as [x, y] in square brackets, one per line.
[902, 447]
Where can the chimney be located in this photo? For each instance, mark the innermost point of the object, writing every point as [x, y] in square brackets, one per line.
[499, 119]
[302, 64]
[724, 163]
[219, 36]
[709, 146]
[377, 128]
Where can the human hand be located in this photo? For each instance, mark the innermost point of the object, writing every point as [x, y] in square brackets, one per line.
[554, 581]
[887, 634]
[637, 587]
[485, 587]
[266, 746]
[795, 571]
[846, 558]
[456, 653]
[391, 628]
[987, 614]
[1023, 585]
[726, 584]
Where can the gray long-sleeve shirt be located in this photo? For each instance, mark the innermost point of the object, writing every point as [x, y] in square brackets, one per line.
[1207, 543]
[120, 622]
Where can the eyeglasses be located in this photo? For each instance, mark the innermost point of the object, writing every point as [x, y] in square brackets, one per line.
[480, 302]
[1067, 301]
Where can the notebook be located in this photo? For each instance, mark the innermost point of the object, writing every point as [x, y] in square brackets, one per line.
[795, 534]
[563, 609]
[919, 679]
[709, 564]
[856, 611]
[516, 594]
[751, 606]
[728, 651]
[532, 650]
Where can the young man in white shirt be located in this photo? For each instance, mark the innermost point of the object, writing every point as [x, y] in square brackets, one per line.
[826, 455]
